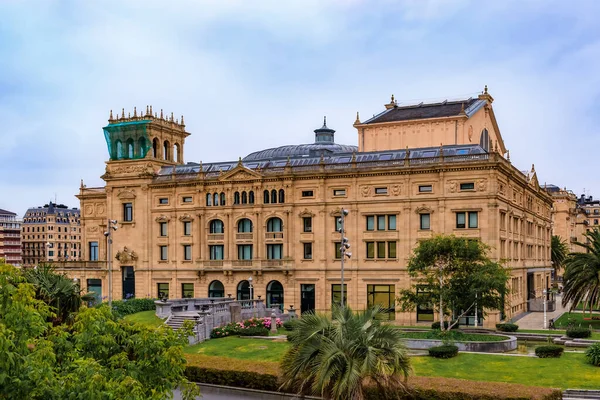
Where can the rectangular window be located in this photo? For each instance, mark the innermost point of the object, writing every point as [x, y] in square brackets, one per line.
[187, 252]
[425, 189]
[380, 249]
[381, 222]
[381, 190]
[425, 221]
[307, 224]
[461, 219]
[93, 247]
[187, 290]
[307, 193]
[391, 249]
[384, 296]
[307, 251]
[163, 290]
[467, 186]
[188, 199]
[244, 252]
[370, 249]
[338, 250]
[216, 252]
[339, 192]
[50, 253]
[187, 228]
[338, 223]
[164, 253]
[473, 220]
[391, 222]
[163, 200]
[127, 212]
[274, 251]
[336, 294]
[163, 228]
[370, 222]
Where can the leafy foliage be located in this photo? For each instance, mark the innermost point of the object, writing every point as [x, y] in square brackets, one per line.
[592, 354]
[249, 327]
[289, 325]
[558, 252]
[577, 332]
[246, 379]
[96, 357]
[582, 273]
[445, 351]
[122, 308]
[453, 325]
[456, 271]
[549, 351]
[339, 356]
[507, 327]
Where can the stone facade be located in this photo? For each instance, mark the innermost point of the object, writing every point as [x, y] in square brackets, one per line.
[194, 230]
[10, 238]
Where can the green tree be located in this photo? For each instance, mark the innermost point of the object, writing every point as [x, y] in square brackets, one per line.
[97, 357]
[59, 291]
[458, 276]
[558, 253]
[338, 357]
[581, 280]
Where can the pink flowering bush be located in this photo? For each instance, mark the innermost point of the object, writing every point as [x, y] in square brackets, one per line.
[249, 327]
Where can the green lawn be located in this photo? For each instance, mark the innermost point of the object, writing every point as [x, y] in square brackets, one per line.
[455, 336]
[578, 317]
[239, 348]
[569, 371]
[147, 318]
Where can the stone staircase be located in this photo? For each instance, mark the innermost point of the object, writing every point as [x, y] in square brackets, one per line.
[176, 321]
[577, 394]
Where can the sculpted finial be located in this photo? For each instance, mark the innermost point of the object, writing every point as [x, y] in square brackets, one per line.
[135, 112]
[161, 114]
[110, 117]
[485, 90]
[182, 123]
[122, 113]
[147, 110]
[151, 109]
[357, 119]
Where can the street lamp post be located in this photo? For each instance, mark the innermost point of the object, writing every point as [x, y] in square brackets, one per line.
[112, 225]
[343, 250]
[252, 296]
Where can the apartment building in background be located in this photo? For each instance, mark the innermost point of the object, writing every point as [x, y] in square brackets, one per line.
[10, 238]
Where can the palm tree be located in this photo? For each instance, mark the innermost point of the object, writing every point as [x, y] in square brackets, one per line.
[57, 290]
[582, 273]
[338, 357]
[558, 253]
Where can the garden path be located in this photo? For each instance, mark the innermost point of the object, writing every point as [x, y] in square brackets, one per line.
[535, 320]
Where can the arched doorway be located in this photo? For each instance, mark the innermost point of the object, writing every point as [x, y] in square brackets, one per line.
[275, 294]
[243, 290]
[216, 289]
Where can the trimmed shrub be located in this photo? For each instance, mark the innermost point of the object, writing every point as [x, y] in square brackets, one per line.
[549, 351]
[254, 331]
[507, 327]
[122, 308]
[288, 325]
[444, 351]
[245, 379]
[576, 332]
[436, 325]
[249, 327]
[592, 354]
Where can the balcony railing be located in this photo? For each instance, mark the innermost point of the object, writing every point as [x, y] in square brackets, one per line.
[244, 236]
[216, 236]
[274, 235]
[241, 263]
[81, 264]
[213, 263]
[272, 263]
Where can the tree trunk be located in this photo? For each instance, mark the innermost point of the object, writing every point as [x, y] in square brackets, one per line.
[441, 305]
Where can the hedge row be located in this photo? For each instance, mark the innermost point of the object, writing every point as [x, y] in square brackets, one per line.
[444, 351]
[436, 325]
[122, 308]
[549, 351]
[576, 332]
[264, 375]
[507, 327]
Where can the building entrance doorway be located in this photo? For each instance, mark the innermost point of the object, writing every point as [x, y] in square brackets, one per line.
[128, 282]
[307, 302]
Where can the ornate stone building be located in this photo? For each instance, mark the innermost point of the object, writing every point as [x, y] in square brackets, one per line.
[51, 234]
[198, 229]
[10, 238]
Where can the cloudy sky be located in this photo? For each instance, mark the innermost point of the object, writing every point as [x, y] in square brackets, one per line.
[254, 74]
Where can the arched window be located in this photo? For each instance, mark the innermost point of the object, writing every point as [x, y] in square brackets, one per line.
[244, 198]
[216, 199]
[243, 290]
[166, 150]
[275, 295]
[223, 199]
[281, 196]
[216, 226]
[484, 140]
[274, 225]
[130, 151]
[251, 197]
[155, 148]
[236, 198]
[208, 199]
[273, 196]
[142, 147]
[244, 226]
[216, 289]
[176, 153]
[266, 197]
[119, 149]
